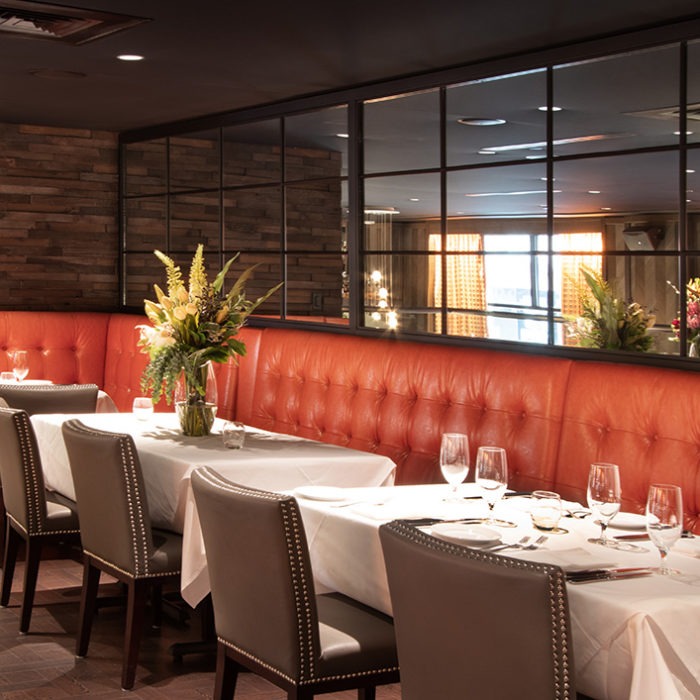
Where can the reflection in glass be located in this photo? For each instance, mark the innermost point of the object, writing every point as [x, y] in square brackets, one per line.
[402, 132]
[314, 215]
[252, 153]
[252, 219]
[146, 221]
[145, 166]
[195, 160]
[314, 286]
[316, 144]
[496, 119]
[194, 219]
[620, 102]
[693, 125]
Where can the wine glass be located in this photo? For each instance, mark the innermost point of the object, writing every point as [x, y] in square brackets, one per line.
[20, 365]
[491, 475]
[664, 519]
[142, 407]
[604, 497]
[454, 461]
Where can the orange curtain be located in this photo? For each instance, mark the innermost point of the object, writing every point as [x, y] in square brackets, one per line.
[466, 287]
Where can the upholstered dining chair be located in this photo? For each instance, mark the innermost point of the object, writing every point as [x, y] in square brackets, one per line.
[473, 624]
[268, 618]
[116, 532]
[31, 512]
[51, 398]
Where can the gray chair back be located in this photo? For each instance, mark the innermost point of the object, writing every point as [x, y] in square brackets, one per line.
[473, 624]
[51, 398]
[21, 474]
[261, 582]
[111, 497]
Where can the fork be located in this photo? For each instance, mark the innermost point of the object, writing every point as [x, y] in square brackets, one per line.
[520, 544]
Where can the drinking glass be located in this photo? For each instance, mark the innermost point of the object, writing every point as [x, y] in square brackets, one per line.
[604, 497]
[491, 475]
[454, 461]
[20, 365]
[546, 510]
[664, 519]
[142, 407]
[233, 435]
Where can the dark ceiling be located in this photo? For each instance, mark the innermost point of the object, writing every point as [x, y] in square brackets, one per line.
[211, 56]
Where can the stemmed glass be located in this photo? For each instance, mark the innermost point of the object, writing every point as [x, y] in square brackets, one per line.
[454, 461]
[491, 475]
[604, 497]
[664, 519]
[20, 365]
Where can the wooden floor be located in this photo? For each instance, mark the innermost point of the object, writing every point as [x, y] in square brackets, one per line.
[43, 665]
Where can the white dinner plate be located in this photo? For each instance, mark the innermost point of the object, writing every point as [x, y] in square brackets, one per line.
[320, 493]
[629, 521]
[463, 533]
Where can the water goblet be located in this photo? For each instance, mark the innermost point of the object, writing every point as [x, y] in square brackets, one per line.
[233, 435]
[142, 407]
[20, 365]
[491, 475]
[664, 515]
[454, 461]
[604, 497]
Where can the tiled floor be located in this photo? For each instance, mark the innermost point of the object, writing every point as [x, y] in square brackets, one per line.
[42, 664]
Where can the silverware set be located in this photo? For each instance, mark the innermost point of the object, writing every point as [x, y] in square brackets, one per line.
[523, 544]
[591, 575]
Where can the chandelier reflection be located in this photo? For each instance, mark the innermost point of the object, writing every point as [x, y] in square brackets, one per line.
[379, 310]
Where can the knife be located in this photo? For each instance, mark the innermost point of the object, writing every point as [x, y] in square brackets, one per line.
[510, 494]
[645, 536]
[607, 574]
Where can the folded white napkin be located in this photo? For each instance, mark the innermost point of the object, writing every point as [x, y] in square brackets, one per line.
[389, 511]
[576, 559]
[688, 546]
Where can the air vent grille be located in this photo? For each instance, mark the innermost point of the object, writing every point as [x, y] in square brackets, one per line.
[73, 25]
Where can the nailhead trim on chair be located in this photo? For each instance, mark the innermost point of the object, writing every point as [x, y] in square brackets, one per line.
[33, 482]
[130, 574]
[42, 532]
[301, 580]
[557, 588]
[139, 540]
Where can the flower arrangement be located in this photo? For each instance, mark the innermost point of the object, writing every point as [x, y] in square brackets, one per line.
[611, 323]
[692, 319]
[193, 324]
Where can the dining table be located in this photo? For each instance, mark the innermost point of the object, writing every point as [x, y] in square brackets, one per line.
[634, 638]
[267, 460]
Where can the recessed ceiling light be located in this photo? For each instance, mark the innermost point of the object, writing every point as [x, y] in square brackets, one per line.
[343, 136]
[130, 57]
[605, 208]
[545, 108]
[544, 179]
[593, 191]
[678, 133]
[413, 199]
[487, 152]
[481, 121]
[690, 171]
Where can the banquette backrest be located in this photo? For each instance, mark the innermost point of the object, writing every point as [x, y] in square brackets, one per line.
[397, 398]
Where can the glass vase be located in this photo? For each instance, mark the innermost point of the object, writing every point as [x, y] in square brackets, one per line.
[196, 400]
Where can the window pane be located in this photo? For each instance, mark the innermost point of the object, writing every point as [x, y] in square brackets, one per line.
[316, 144]
[315, 215]
[314, 286]
[496, 119]
[145, 223]
[693, 124]
[252, 153]
[627, 101]
[195, 160]
[145, 167]
[194, 219]
[253, 219]
[402, 132]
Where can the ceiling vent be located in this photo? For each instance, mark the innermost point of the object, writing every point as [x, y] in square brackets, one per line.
[71, 25]
[692, 113]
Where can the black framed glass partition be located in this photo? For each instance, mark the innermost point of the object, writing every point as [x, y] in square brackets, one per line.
[488, 204]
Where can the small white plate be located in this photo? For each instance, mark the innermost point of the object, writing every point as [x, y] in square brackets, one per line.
[629, 521]
[463, 533]
[321, 493]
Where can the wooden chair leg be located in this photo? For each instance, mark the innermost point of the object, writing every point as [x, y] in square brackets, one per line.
[88, 601]
[226, 675]
[31, 572]
[157, 605]
[137, 598]
[367, 693]
[12, 540]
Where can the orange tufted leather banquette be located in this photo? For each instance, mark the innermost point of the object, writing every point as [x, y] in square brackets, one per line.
[554, 416]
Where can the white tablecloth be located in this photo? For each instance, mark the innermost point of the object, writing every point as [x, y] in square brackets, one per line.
[636, 638]
[267, 461]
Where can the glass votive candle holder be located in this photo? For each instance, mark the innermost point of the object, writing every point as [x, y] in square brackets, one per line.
[546, 510]
[7, 377]
[233, 435]
[142, 407]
